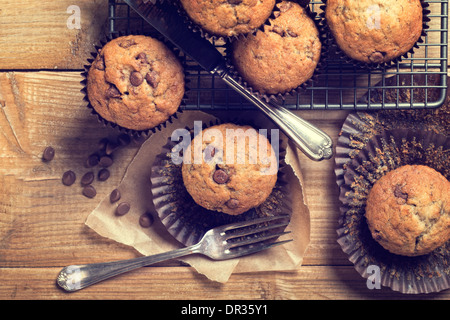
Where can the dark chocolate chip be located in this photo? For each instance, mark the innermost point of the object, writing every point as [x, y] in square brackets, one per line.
[136, 78]
[69, 178]
[114, 196]
[220, 176]
[113, 92]
[89, 192]
[152, 78]
[87, 178]
[105, 161]
[146, 220]
[49, 154]
[398, 193]
[103, 175]
[92, 160]
[232, 203]
[123, 208]
[142, 57]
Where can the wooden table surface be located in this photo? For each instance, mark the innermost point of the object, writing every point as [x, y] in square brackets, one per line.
[42, 222]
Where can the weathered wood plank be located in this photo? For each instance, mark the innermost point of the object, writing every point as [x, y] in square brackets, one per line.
[39, 34]
[182, 283]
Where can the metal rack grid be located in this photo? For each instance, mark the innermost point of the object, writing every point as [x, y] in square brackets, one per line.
[418, 81]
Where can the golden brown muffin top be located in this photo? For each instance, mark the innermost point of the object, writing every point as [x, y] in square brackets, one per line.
[408, 210]
[230, 168]
[375, 31]
[135, 82]
[228, 17]
[282, 57]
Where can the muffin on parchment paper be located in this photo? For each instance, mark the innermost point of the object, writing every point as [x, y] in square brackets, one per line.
[188, 221]
[230, 168]
[408, 210]
[135, 82]
[375, 32]
[282, 57]
[228, 18]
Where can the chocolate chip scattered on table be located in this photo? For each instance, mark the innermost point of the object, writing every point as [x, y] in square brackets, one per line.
[48, 154]
[69, 178]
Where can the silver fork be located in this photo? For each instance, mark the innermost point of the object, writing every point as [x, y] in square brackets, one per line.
[220, 243]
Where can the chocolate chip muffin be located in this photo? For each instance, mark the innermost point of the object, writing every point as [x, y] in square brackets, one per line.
[135, 82]
[375, 31]
[284, 56]
[408, 210]
[230, 168]
[228, 18]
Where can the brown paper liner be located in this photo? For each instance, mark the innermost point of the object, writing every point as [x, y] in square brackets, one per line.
[333, 47]
[357, 169]
[308, 83]
[103, 121]
[187, 221]
[213, 37]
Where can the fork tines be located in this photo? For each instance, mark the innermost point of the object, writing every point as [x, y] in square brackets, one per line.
[255, 235]
[254, 223]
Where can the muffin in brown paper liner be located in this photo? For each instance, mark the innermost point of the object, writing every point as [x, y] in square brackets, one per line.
[333, 47]
[365, 153]
[280, 94]
[216, 37]
[131, 132]
[187, 221]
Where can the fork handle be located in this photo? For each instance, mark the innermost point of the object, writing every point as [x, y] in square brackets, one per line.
[76, 277]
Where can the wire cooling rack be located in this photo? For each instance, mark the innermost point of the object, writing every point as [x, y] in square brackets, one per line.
[418, 81]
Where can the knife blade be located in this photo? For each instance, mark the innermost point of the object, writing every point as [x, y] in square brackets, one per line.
[163, 16]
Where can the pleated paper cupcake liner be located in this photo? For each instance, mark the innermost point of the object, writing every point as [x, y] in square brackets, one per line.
[364, 155]
[131, 132]
[187, 221]
[334, 49]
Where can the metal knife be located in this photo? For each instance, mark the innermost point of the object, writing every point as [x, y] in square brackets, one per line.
[164, 17]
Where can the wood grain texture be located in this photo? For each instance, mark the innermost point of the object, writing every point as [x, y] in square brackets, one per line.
[35, 34]
[42, 222]
[182, 283]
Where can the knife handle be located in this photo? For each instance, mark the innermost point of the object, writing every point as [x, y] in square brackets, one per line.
[315, 143]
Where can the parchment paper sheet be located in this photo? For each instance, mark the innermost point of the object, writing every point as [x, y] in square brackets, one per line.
[135, 189]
